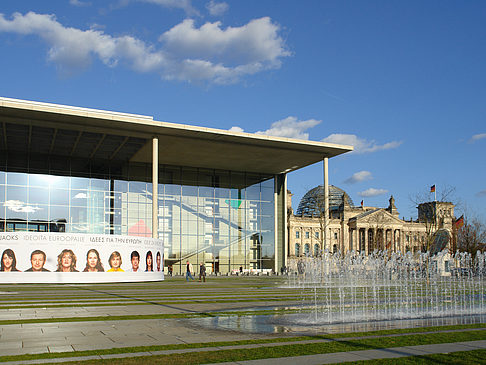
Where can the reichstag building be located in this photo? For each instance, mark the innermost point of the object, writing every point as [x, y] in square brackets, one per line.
[362, 228]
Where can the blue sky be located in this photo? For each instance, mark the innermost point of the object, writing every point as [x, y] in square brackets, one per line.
[403, 81]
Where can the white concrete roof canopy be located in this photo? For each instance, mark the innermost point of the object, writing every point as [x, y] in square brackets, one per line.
[179, 144]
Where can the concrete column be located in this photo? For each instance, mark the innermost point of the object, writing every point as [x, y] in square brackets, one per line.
[281, 231]
[155, 187]
[326, 201]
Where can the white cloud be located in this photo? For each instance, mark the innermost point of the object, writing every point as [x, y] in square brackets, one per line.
[187, 53]
[79, 3]
[20, 207]
[361, 145]
[372, 192]
[236, 129]
[72, 49]
[481, 193]
[358, 177]
[177, 4]
[290, 127]
[254, 46]
[477, 137]
[217, 9]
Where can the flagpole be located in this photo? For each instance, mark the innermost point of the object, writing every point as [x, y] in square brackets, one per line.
[433, 189]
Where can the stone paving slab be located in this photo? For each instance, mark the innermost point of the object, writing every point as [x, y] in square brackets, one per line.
[121, 356]
[474, 344]
[443, 348]
[12, 344]
[387, 353]
[301, 360]
[66, 348]
[142, 309]
[23, 351]
[106, 334]
[411, 351]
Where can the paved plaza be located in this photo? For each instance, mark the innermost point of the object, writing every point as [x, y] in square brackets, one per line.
[74, 318]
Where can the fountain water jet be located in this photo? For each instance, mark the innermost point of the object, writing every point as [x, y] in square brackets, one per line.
[389, 286]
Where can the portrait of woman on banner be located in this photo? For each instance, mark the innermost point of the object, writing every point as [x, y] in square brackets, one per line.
[93, 262]
[9, 262]
[66, 261]
[149, 261]
[115, 262]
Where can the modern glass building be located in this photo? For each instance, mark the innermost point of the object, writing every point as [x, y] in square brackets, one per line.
[221, 196]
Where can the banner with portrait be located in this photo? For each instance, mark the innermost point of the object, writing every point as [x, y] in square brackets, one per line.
[36, 257]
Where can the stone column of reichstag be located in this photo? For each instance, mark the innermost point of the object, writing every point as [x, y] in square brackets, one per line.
[366, 238]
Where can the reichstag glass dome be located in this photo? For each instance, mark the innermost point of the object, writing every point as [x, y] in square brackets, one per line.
[313, 201]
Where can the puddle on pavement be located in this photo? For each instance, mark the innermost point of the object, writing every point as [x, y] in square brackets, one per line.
[295, 325]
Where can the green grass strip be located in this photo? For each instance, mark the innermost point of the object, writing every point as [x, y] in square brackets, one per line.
[458, 358]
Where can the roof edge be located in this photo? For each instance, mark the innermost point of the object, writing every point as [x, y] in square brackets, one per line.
[68, 109]
[43, 107]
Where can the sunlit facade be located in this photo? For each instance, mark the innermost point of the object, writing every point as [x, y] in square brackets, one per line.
[365, 229]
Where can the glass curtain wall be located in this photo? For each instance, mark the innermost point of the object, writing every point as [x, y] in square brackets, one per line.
[222, 218]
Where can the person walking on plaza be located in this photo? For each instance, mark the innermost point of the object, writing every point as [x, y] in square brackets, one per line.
[189, 271]
[202, 272]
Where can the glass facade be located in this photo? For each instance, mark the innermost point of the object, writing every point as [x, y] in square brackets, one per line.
[223, 218]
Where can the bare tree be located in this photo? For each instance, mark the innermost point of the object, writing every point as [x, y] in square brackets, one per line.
[433, 214]
[444, 193]
[321, 204]
[428, 217]
[471, 237]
